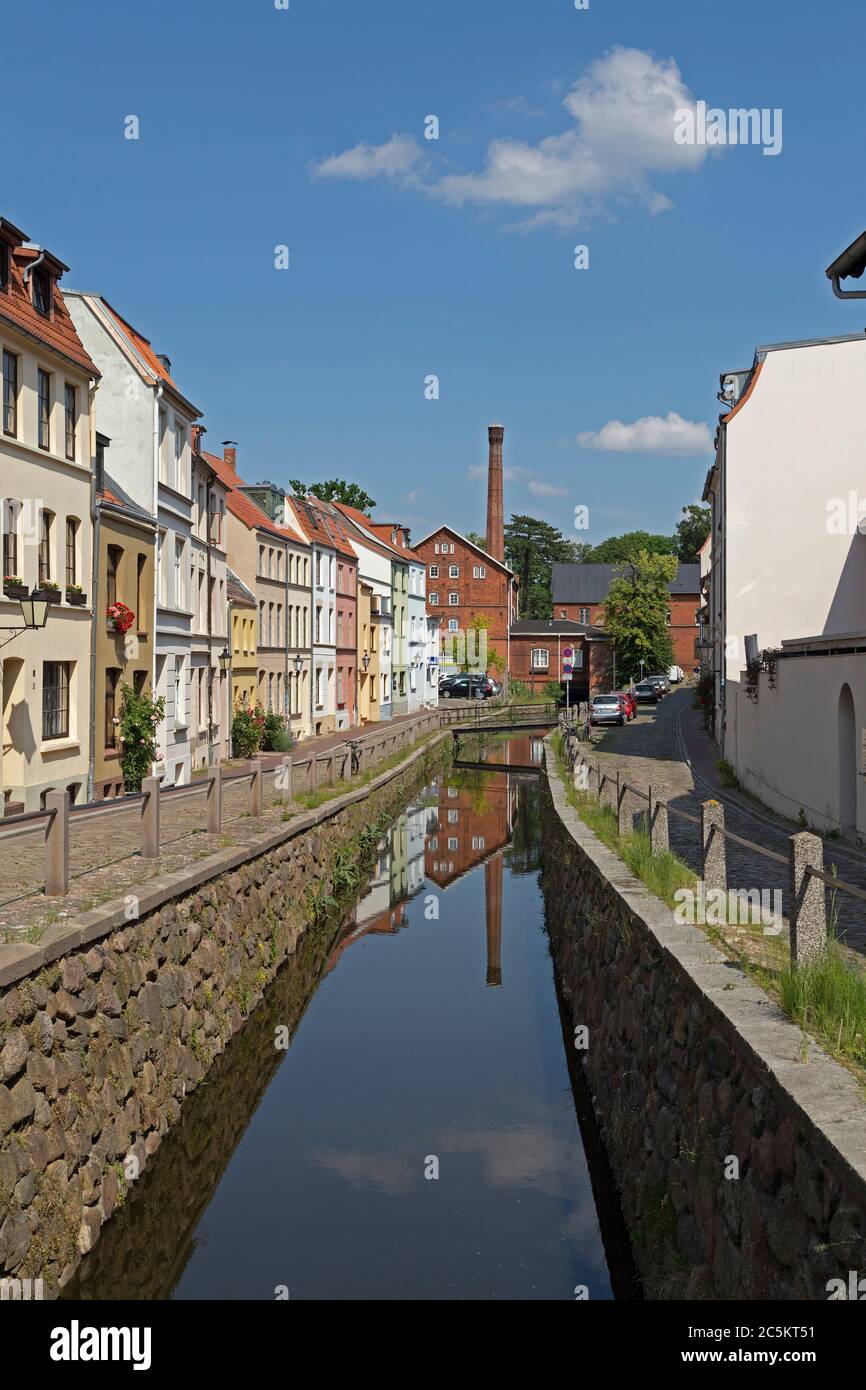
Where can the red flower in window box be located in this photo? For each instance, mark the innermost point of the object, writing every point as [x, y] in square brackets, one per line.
[120, 617]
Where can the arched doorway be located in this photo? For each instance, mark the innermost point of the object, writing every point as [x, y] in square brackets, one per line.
[847, 763]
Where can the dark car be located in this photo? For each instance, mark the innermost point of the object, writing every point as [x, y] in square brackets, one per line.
[661, 681]
[647, 692]
[471, 686]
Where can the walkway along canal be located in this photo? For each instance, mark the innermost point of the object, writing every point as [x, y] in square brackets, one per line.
[396, 1119]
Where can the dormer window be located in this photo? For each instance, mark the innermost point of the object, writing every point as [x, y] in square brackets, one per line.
[41, 288]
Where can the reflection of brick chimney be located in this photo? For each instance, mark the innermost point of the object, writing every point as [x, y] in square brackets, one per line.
[493, 912]
[230, 453]
[495, 523]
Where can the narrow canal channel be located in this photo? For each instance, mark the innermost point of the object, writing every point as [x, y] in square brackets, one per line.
[418, 1138]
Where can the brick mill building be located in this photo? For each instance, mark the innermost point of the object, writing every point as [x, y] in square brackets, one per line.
[467, 582]
[579, 593]
[537, 646]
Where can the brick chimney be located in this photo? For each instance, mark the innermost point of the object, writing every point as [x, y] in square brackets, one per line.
[495, 521]
[230, 454]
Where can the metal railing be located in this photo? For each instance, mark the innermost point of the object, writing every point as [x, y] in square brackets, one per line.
[292, 776]
[808, 879]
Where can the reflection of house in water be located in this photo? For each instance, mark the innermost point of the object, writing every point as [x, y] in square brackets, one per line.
[469, 824]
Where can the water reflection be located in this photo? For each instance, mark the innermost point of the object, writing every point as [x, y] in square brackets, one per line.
[426, 1027]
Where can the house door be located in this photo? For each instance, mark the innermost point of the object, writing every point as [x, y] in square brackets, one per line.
[847, 763]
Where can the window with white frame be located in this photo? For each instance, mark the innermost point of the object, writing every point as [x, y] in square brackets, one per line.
[453, 599]
[540, 659]
[453, 571]
[453, 625]
[434, 600]
[434, 571]
[479, 571]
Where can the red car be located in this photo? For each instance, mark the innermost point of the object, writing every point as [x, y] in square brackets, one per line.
[628, 703]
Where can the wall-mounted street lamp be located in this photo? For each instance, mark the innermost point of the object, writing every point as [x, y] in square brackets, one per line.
[225, 660]
[365, 661]
[34, 613]
[299, 664]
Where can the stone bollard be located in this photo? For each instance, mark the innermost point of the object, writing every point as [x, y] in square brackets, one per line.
[658, 824]
[332, 768]
[256, 788]
[713, 868]
[150, 818]
[284, 780]
[215, 801]
[57, 845]
[807, 909]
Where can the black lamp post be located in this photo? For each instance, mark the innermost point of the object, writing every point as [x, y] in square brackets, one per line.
[225, 660]
[34, 614]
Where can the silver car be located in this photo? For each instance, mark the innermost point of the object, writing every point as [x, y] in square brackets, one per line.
[606, 709]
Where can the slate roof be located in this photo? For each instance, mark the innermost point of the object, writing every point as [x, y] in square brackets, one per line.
[237, 591]
[590, 583]
[554, 627]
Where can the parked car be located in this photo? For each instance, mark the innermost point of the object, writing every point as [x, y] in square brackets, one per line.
[647, 692]
[629, 704]
[607, 709]
[660, 681]
[470, 686]
[676, 674]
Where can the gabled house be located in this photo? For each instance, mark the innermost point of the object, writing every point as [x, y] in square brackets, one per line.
[334, 587]
[47, 445]
[467, 586]
[209, 687]
[144, 412]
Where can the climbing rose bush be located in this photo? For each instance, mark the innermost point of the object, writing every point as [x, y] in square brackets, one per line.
[248, 731]
[140, 715]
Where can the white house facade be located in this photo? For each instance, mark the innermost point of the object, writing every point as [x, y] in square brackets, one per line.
[149, 422]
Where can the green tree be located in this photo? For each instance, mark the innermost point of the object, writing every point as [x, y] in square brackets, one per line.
[532, 547]
[335, 490]
[636, 614]
[692, 531]
[617, 549]
[480, 541]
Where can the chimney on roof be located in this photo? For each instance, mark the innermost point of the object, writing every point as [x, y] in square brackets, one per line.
[495, 522]
[166, 361]
[230, 454]
[198, 431]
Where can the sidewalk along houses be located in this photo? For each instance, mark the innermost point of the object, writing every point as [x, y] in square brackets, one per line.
[271, 557]
[210, 714]
[148, 419]
[47, 444]
[788, 575]
[579, 593]
[334, 566]
[243, 667]
[470, 588]
[125, 550]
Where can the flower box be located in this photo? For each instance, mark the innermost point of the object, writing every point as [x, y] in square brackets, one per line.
[76, 597]
[13, 590]
[49, 595]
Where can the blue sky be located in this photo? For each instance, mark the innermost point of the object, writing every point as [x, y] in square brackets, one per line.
[411, 257]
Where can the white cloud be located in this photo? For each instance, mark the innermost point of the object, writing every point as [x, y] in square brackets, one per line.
[624, 110]
[624, 113]
[539, 489]
[652, 434]
[396, 158]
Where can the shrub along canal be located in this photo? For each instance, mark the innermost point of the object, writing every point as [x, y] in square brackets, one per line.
[400, 1116]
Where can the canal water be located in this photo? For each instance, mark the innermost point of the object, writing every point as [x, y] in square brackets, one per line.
[421, 1136]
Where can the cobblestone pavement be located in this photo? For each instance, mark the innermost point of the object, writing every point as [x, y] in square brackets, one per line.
[667, 748]
[104, 858]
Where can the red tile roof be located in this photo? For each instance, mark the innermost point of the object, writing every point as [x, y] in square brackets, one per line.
[143, 348]
[383, 531]
[320, 523]
[56, 332]
[359, 521]
[242, 506]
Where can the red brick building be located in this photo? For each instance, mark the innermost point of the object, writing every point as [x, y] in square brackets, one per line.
[465, 582]
[579, 593]
[537, 645]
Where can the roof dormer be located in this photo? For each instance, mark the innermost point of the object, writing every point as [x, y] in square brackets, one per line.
[41, 273]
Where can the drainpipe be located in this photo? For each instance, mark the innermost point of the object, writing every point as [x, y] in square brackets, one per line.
[29, 269]
[96, 519]
[286, 635]
[156, 568]
[209, 625]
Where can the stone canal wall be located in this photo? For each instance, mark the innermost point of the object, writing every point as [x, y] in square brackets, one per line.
[738, 1146]
[110, 1022]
